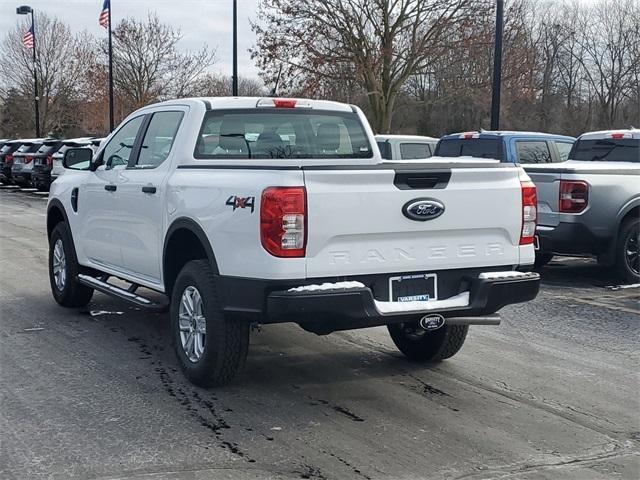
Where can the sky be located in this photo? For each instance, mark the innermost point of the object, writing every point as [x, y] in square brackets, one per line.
[201, 21]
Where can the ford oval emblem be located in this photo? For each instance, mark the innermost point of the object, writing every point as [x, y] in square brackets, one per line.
[423, 209]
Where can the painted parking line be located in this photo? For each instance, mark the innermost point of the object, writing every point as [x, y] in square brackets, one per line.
[9, 187]
[28, 190]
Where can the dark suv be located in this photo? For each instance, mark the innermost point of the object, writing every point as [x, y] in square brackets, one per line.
[6, 159]
[42, 164]
[22, 161]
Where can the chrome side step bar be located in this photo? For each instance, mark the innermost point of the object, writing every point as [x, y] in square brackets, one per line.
[129, 294]
[485, 320]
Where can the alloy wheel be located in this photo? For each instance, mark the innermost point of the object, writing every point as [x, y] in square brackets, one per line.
[192, 324]
[59, 265]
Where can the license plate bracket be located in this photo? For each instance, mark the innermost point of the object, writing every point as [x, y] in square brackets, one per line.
[411, 288]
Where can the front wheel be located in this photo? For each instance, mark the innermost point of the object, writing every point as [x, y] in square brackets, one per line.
[420, 345]
[63, 270]
[628, 251]
[211, 346]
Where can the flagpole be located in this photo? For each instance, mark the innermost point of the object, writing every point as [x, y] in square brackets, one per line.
[110, 75]
[35, 76]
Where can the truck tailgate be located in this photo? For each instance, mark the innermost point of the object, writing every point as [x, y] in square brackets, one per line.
[356, 223]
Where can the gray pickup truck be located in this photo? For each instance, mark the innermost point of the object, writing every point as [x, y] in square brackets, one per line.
[590, 204]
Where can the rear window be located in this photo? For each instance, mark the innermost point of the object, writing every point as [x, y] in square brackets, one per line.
[29, 147]
[472, 147]
[607, 149]
[7, 148]
[411, 151]
[287, 133]
[49, 148]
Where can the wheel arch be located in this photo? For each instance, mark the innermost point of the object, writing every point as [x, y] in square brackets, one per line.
[184, 241]
[55, 214]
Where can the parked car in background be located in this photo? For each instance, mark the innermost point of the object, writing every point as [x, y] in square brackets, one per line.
[512, 147]
[42, 162]
[590, 204]
[405, 147]
[6, 159]
[23, 161]
[57, 168]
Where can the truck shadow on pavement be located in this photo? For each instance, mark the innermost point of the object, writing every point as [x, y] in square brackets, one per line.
[577, 273]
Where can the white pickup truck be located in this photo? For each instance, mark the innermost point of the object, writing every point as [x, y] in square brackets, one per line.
[238, 211]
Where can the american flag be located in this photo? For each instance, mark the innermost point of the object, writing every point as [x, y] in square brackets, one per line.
[27, 38]
[104, 15]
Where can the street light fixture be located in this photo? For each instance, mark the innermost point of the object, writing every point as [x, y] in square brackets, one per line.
[25, 10]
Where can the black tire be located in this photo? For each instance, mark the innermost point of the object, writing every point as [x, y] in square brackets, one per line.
[627, 251]
[226, 340]
[542, 259]
[434, 346]
[68, 293]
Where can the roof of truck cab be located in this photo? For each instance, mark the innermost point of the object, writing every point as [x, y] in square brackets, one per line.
[414, 138]
[635, 133]
[222, 103]
[508, 133]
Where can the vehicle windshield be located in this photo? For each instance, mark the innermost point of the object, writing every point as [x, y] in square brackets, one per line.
[471, 147]
[286, 133]
[607, 150]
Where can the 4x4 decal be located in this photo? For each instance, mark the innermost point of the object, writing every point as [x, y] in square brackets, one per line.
[241, 202]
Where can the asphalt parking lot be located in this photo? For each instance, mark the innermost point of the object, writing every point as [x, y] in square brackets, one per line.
[95, 393]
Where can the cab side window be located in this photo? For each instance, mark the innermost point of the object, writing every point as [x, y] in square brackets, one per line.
[533, 152]
[119, 148]
[563, 150]
[159, 138]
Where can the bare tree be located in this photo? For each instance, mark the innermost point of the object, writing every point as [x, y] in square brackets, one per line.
[61, 57]
[610, 33]
[148, 66]
[380, 44]
[215, 85]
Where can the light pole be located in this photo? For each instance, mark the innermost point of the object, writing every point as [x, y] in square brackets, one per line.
[25, 10]
[497, 68]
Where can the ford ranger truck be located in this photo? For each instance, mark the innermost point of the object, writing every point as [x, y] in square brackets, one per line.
[241, 211]
[590, 204]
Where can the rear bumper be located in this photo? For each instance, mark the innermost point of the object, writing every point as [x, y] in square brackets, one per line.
[572, 239]
[329, 310]
[41, 178]
[21, 177]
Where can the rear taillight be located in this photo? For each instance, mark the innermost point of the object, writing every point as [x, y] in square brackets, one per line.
[529, 212]
[28, 159]
[8, 158]
[283, 212]
[574, 196]
[49, 159]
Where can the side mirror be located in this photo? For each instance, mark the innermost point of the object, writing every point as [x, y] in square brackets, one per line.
[77, 158]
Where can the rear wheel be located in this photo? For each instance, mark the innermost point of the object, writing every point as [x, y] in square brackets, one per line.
[542, 259]
[420, 345]
[211, 347]
[628, 251]
[63, 270]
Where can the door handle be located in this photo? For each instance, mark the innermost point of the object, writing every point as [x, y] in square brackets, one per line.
[149, 189]
[110, 188]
